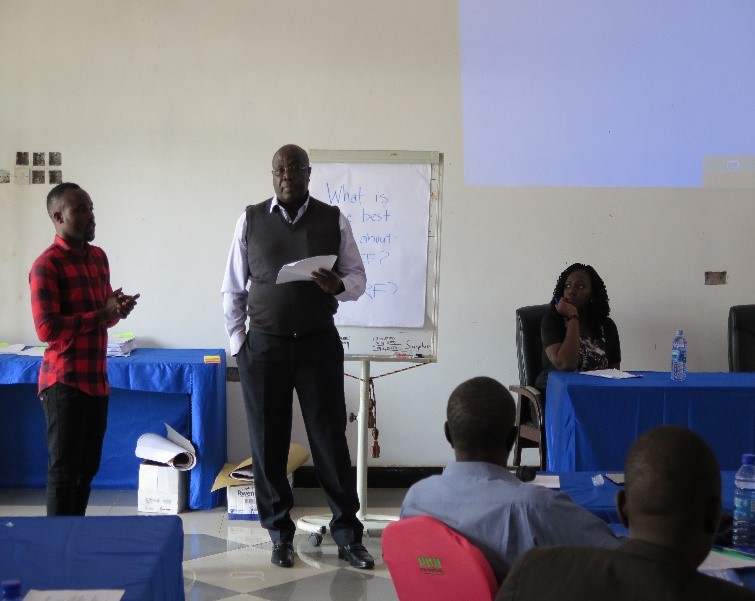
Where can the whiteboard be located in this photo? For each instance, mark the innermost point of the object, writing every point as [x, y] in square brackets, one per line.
[391, 199]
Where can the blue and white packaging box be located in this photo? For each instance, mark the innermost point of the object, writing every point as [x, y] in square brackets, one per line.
[242, 501]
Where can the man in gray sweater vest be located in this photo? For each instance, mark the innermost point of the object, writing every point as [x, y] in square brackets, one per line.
[292, 344]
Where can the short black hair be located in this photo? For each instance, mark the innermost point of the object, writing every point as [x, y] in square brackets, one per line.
[56, 194]
[599, 307]
[480, 415]
[294, 150]
[671, 471]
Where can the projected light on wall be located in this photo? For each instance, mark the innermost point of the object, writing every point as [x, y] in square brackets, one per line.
[597, 93]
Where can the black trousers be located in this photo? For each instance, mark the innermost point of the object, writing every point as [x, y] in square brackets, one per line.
[76, 424]
[270, 369]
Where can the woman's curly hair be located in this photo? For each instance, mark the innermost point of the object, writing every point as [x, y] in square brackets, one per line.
[599, 307]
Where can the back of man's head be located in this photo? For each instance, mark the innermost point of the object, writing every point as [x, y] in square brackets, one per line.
[672, 495]
[480, 420]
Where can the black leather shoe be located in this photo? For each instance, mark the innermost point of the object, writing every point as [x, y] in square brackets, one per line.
[357, 556]
[283, 554]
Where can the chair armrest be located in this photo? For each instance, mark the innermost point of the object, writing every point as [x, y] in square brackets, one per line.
[535, 398]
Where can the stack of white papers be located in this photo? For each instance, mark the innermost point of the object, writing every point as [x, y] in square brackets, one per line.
[614, 374]
[10, 349]
[33, 351]
[120, 345]
[301, 271]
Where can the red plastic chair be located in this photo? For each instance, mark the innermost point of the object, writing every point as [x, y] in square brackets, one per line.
[429, 561]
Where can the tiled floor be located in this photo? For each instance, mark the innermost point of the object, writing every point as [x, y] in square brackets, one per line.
[230, 559]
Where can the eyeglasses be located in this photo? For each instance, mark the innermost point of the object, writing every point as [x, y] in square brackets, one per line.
[290, 171]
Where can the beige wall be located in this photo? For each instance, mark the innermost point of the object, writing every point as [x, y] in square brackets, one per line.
[168, 114]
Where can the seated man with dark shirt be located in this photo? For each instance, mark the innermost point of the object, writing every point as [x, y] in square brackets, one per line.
[671, 504]
[479, 498]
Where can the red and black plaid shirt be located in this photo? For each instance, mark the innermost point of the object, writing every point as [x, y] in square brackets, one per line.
[67, 287]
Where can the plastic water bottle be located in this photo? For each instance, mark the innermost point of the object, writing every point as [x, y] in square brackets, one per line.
[679, 357]
[743, 529]
[11, 590]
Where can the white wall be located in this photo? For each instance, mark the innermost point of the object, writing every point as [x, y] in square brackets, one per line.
[168, 113]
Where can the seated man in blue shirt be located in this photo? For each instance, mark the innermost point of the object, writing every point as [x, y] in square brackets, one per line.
[479, 498]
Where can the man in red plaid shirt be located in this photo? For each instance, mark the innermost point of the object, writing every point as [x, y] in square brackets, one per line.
[73, 305]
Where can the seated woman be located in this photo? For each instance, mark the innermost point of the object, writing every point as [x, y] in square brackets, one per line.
[577, 333]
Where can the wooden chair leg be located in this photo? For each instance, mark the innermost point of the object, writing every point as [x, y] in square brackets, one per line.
[517, 450]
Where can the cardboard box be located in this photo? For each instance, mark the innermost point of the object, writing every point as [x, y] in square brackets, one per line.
[242, 498]
[242, 501]
[162, 489]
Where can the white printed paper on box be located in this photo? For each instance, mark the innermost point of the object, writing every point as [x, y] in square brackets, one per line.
[162, 489]
[242, 501]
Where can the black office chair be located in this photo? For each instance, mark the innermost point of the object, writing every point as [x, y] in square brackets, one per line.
[742, 338]
[530, 417]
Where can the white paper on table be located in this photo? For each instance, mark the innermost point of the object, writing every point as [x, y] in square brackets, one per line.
[726, 560]
[10, 349]
[174, 451]
[547, 481]
[614, 374]
[35, 351]
[302, 270]
[75, 595]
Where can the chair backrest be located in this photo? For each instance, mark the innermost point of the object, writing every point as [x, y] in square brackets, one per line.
[529, 344]
[742, 338]
[429, 561]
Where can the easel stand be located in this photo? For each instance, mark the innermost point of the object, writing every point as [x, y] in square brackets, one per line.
[317, 525]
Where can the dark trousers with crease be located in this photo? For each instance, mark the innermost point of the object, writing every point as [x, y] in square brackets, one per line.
[270, 369]
[76, 424]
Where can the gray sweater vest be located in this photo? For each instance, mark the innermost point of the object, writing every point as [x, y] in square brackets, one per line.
[294, 308]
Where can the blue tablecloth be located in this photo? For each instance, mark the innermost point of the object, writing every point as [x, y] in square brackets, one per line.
[141, 554]
[148, 389]
[590, 422]
[600, 499]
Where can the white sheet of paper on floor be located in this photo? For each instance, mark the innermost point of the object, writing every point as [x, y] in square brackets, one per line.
[175, 450]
